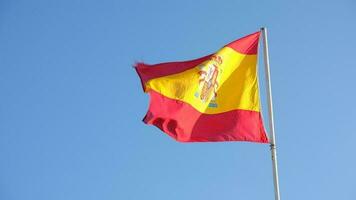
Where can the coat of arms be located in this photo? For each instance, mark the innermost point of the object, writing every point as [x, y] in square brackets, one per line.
[208, 81]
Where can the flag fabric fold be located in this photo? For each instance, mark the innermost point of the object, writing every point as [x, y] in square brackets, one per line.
[209, 99]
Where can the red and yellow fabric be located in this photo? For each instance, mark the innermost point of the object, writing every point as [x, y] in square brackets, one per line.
[213, 98]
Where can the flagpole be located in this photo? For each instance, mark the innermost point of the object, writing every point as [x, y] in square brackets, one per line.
[272, 137]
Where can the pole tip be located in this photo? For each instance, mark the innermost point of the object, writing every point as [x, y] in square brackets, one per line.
[263, 28]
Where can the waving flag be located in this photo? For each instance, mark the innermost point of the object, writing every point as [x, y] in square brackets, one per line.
[209, 99]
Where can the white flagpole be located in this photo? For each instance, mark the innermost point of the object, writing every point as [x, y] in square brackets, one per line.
[270, 112]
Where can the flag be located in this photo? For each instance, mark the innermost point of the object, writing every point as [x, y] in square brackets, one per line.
[209, 99]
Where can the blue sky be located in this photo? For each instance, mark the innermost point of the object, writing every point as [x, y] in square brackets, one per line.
[71, 104]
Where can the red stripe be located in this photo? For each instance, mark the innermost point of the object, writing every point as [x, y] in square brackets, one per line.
[246, 45]
[148, 72]
[185, 124]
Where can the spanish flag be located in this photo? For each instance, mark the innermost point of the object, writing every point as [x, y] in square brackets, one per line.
[209, 99]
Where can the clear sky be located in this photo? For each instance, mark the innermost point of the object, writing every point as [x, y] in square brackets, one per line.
[71, 104]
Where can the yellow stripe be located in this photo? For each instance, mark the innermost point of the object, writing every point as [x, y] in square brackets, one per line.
[236, 84]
